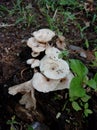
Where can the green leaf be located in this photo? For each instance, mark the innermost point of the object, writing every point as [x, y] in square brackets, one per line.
[95, 78]
[19, 20]
[76, 106]
[85, 98]
[86, 105]
[12, 121]
[91, 83]
[69, 2]
[78, 68]
[76, 90]
[95, 55]
[4, 8]
[87, 43]
[63, 54]
[30, 128]
[87, 112]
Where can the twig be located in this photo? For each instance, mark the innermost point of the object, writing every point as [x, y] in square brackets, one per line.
[55, 13]
[3, 25]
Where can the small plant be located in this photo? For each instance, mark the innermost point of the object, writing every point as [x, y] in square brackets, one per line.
[82, 29]
[12, 123]
[64, 54]
[50, 22]
[50, 5]
[24, 13]
[94, 62]
[72, 3]
[3, 9]
[94, 18]
[95, 29]
[78, 95]
[87, 43]
[17, 7]
[68, 16]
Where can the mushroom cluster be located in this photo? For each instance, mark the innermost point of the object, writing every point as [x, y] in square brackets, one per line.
[52, 74]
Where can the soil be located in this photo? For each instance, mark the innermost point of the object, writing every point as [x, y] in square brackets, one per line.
[14, 70]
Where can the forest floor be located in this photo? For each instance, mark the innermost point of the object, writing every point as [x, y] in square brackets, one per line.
[77, 22]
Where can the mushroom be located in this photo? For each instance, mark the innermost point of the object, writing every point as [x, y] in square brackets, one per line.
[52, 52]
[33, 62]
[54, 72]
[43, 35]
[35, 45]
[61, 42]
[54, 68]
[43, 84]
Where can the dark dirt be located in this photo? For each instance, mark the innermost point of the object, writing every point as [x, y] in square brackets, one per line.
[14, 70]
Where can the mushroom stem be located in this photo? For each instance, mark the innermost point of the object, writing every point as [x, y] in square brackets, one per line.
[23, 87]
[28, 99]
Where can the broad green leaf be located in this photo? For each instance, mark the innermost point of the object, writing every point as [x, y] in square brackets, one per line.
[76, 106]
[78, 68]
[91, 83]
[76, 90]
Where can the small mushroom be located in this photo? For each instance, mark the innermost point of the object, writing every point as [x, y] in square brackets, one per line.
[33, 62]
[43, 35]
[35, 45]
[43, 84]
[54, 68]
[61, 42]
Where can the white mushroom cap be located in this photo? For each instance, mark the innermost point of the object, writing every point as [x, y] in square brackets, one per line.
[29, 61]
[35, 45]
[43, 35]
[65, 82]
[54, 68]
[34, 62]
[43, 84]
[52, 52]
